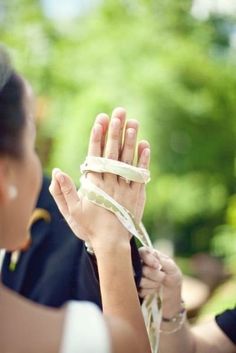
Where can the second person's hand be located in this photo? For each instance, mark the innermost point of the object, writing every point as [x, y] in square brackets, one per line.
[161, 272]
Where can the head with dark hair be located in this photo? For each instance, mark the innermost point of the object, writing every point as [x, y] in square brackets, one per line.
[12, 114]
[20, 172]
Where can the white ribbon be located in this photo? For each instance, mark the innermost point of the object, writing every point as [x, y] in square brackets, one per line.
[106, 165]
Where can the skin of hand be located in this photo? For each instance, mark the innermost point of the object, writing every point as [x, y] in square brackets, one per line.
[160, 271]
[77, 210]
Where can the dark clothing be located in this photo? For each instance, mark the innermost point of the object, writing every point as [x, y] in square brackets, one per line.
[57, 268]
[227, 322]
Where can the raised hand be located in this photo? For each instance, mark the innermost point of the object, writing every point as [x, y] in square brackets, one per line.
[86, 219]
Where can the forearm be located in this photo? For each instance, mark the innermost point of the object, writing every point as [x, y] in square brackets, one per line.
[118, 290]
[204, 338]
[182, 340]
[178, 342]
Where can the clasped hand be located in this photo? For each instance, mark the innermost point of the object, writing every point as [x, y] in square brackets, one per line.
[115, 139]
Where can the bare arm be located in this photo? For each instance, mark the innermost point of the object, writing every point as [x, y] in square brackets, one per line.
[204, 338]
[209, 338]
[123, 336]
[115, 269]
[26, 327]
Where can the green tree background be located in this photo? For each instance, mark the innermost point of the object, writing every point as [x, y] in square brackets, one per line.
[174, 73]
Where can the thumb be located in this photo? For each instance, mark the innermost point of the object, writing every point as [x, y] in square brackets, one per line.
[68, 189]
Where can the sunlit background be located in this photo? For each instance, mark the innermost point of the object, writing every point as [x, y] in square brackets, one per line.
[172, 65]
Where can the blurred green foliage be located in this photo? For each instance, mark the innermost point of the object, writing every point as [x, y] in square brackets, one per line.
[172, 72]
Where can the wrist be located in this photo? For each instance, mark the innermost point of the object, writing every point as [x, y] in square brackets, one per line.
[172, 304]
[111, 247]
[108, 237]
[174, 323]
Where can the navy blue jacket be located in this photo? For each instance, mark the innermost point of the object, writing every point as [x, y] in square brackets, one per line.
[57, 268]
[227, 322]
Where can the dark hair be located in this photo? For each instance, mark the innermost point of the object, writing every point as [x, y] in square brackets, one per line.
[12, 110]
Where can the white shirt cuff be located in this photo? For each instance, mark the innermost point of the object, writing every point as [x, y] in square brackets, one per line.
[85, 330]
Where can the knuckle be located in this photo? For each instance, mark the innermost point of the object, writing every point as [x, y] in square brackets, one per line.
[142, 252]
[162, 276]
[66, 190]
[157, 285]
[129, 144]
[145, 258]
[112, 155]
[146, 271]
[141, 285]
[115, 137]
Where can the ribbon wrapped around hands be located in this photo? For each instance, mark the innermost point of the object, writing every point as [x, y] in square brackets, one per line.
[124, 170]
[151, 306]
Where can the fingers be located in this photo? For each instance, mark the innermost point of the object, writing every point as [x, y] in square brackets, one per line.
[129, 144]
[152, 275]
[168, 264]
[143, 162]
[103, 120]
[148, 258]
[155, 259]
[64, 192]
[58, 196]
[114, 136]
[147, 283]
[143, 154]
[113, 139]
[96, 138]
[120, 114]
[155, 275]
[143, 292]
[167, 273]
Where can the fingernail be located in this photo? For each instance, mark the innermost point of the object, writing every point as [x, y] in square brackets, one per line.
[58, 175]
[56, 170]
[101, 118]
[97, 130]
[146, 152]
[131, 133]
[62, 178]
